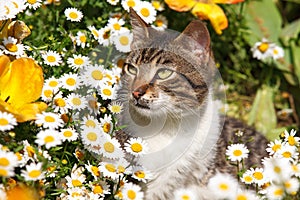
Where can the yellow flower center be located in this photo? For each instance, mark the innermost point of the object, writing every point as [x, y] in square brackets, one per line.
[130, 3]
[82, 38]
[3, 172]
[275, 51]
[49, 119]
[92, 136]
[71, 81]
[68, 133]
[237, 152]
[98, 189]
[31, 1]
[3, 122]
[117, 26]
[95, 33]
[223, 186]
[49, 139]
[277, 169]
[95, 171]
[34, 173]
[136, 147]
[76, 101]
[60, 102]
[185, 197]
[106, 127]
[110, 167]
[258, 175]
[287, 154]
[53, 83]
[115, 109]
[131, 194]
[287, 184]
[48, 93]
[248, 179]
[4, 162]
[295, 168]
[278, 192]
[159, 23]
[156, 4]
[109, 147]
[121, 169]
[124, 40]
[73, 15]
[30, 151]
[18, 155]
[78, 61]
[76, 183]
[145, 12]
[276, 147]
[241, 197]
[106, 92]
[263, 47]
[11, 47]
[51, 59]
[291, 140]
[140, 174]
[97, 75]
[90, 123]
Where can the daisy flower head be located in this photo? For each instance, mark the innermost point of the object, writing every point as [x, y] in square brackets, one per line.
[76, 101]
[126, 4]
[60, 104]
[160, 23]
[275, 192]
[78, 61]
[115, 107]
[291, 186]
[223, 185]
[73, 14]
[277, 169]
[53, 83]
[291, 137]
[94, 31]
[288, 152]
[101, 188]
[259, 177]
[136, 146]
[7, 121]
[75, 180]
[48, 93]
[296, 169]
[8, 160]
[122, 41]
[69, 81]
[49, 120]
[107, 92]
[158, 5]
[247, 177]
[246, 195]
[90, 121]
[109, 169]
[11, 47]
[277, 52]
[104, 36]
[237, 152]
[33, 172]
[93, 75]
[68, 134]
[49, 138]
[273, 147]
[141, 174]
[81, 39]
[185, 194]
[52, 58]
[262, 49]
[106, 123]
[33, 4]
[146, 11]
[94, 170]
[111, 148]
[113, 2]
[131, 191]
[91, 136]
[115, 24]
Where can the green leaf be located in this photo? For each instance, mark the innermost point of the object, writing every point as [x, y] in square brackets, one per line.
[290, 31]
[262, 114]
[263, 20]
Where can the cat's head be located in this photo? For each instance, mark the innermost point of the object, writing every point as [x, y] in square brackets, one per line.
[166, 71]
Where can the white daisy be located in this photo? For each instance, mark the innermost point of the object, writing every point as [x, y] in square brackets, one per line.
[11, 47]
[291, 186]
[136, 146]
[60, 104]
[273, 147]
[94, 31]
[263, 49]
[122, 41]
[288, 152]
[126, 4]
[34, 4]
[185, 194]
[48, 93]
[7, 121]
[107, 92]
[94, 170]
[146, 11]
[275, 192]
[259, 177]
[296, 169]
[111, 148]
[90, 121]
[277, 53]
[109, 170]
[68, 134]
[7, 172]
[33, 172]
[106, 123]
[75, 180]
[113, 2]
[91, 136]
[76, 101]
[49, 120]
[52, 58]
[78, 61]
[101, 188]
[115, 107]
[76, 193]
[53, 83]
[237, 152]
[81, 39]
[104, 36]
[141, 174]
[8, 160]
[69, 81]
[277, 169]
[223, 186]
[49, 138]
[93, 75]
[73, 14]
[158, 5]
[247, 177]
[131, 191]
[246, 195]
[160, 23]
[115, 24]
[291, 137]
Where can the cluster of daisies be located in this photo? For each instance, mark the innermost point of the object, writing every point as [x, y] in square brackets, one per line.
[265, 49]
[278, 178]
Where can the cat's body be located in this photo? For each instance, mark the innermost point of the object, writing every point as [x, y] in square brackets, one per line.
[168, 100]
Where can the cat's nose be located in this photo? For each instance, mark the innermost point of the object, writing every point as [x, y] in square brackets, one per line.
[140, 91]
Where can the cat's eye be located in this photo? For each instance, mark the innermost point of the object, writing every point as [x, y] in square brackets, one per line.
[131, 69]
[164, 73]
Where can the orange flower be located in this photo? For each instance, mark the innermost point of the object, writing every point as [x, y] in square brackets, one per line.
[23, 192]
[21, 83]
[205, 10]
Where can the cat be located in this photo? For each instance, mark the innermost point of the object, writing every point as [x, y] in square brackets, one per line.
[168, 97]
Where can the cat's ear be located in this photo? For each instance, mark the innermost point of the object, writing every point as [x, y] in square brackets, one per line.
[195, 38]
[140, 28]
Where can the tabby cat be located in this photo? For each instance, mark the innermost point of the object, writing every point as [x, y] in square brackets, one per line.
[167, 93]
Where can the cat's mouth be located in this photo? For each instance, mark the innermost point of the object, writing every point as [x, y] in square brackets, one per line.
[142, 106]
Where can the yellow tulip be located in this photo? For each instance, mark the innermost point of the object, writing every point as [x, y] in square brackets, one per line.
[21, 84]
